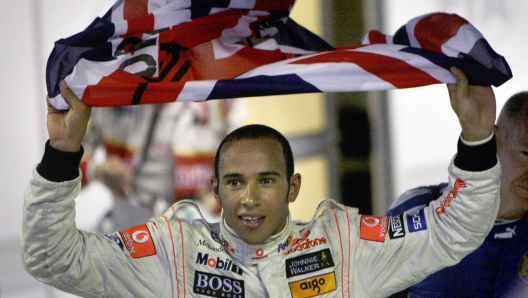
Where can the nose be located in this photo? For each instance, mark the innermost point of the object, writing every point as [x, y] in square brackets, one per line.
[250, 196]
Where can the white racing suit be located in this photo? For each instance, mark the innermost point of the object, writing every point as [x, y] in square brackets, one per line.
[339, 253]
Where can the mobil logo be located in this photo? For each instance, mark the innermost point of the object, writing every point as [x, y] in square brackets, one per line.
[217, 263]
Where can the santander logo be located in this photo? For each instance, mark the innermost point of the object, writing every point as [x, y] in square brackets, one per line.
[446, 203]
[300, 244]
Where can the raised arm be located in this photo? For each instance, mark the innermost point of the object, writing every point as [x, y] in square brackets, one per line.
[457, 222]
[474, 105]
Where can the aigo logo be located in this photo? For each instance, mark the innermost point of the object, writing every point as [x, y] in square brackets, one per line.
[313, 286]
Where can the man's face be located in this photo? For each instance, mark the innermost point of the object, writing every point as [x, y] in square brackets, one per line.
[512, 149]
[253, 189]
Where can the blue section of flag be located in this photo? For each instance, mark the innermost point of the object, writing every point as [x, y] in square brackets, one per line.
[261, 85]
[92, 44]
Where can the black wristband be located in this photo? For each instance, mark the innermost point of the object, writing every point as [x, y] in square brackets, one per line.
[59, 166]
[476, 158]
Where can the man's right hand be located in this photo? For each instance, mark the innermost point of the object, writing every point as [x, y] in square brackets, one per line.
[474, 105]
[66, 128]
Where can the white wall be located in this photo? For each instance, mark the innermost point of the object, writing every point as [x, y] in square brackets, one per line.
[425, 129]
[28, 29]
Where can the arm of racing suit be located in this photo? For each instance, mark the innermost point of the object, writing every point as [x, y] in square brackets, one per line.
[410, 246]
[439, 235]
[87, 264]
[53, 250]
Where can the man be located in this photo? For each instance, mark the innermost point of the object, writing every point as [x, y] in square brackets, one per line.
[257, 250]
[499, 268]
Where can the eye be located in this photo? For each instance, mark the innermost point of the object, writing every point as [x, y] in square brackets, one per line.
[233, 182]
[266, 180]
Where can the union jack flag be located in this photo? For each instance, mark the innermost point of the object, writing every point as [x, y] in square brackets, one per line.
[156, 51]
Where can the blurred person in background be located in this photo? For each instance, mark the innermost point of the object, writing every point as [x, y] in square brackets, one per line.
[154, 155]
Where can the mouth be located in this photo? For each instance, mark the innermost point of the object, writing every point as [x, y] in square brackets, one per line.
[252, 221]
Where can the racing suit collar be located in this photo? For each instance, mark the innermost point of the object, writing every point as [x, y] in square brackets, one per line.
[252, 253]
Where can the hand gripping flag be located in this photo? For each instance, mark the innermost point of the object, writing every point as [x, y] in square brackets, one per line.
[156, 51]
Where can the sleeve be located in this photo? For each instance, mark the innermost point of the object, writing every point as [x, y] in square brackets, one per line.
[416, 198]
[410, 246]
[87, 264]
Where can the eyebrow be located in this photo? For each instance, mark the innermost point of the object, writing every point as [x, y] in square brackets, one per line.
[261, 174]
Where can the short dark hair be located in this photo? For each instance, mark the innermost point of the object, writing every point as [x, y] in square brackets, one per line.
[514, 107]
[253, 132]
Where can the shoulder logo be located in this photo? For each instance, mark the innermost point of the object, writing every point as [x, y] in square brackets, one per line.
[416, 221]
[446, 203]
[138, 241]
[373, 228]
[396, 227]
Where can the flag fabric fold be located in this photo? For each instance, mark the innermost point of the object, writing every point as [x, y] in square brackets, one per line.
[156, 51]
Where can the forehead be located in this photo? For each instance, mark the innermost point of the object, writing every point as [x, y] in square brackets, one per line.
[256, 155]
[518, 131]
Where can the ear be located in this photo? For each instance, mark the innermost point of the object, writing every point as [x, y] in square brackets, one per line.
[496, 133]
[295, 187]
[214, 186]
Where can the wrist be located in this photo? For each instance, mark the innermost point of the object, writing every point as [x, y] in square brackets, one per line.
[476, 136]
[57, 165]
[65, 146]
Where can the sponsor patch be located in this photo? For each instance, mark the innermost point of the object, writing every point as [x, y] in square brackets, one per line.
[313, 286]
[202, 242]
[396, 227]
[507, 234]
[416, 221]
[213, 285]
[138, 241]
[373, 228]
[300, 244]
[259, 254]
[446, 203]
[116, 239]
[283, 246]
[220, 239]
[309, 263]
[218, 263]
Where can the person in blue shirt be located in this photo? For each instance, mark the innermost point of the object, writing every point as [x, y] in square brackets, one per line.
[499, 268]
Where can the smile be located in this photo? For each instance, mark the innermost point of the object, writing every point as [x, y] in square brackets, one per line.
[252, 221]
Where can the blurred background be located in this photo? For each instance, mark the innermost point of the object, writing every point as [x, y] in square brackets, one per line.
[362, 149]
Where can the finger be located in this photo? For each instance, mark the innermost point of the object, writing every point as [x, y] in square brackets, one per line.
[70, 97]
[462, 88]
[51, 108]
